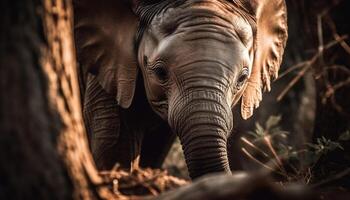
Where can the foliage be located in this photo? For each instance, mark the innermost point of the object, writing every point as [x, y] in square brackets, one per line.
[268, 146]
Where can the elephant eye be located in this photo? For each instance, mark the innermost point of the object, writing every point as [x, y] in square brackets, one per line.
[242, 77]
[161, 72]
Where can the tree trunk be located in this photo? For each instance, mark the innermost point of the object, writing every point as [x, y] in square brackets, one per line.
[43, 147]
[44, 152]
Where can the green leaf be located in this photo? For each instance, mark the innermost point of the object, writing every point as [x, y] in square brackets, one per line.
[311, 145]
[273, 121]
[259, 130]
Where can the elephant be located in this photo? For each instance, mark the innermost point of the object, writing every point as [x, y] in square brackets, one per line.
[154, 70]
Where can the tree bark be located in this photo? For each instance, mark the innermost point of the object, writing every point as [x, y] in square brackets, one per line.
[44, 152]
[254, 186]
[43, 147]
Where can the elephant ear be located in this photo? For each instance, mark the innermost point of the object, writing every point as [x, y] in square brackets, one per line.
[104, 37]
[270, 40]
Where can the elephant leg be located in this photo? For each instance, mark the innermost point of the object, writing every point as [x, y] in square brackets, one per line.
[156, 145]
[102, 121]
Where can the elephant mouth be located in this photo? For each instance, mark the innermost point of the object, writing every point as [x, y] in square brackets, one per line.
[159, 103]
[160, 107]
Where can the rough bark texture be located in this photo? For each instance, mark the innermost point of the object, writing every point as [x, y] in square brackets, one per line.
[43, 147]
[239, 186]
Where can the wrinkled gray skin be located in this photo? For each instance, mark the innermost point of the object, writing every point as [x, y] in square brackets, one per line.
[206, 66]
[195, 59]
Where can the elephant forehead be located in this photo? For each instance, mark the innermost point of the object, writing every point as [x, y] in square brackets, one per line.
[224, 17]
[178, 49]
[189, 11]
[228, 55]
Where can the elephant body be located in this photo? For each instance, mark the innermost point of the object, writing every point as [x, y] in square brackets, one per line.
[116, 134]
[152, 70]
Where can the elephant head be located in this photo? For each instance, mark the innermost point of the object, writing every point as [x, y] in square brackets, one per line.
[198, 58]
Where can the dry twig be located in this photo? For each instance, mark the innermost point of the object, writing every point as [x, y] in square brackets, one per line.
[308, 65]
[140, 182]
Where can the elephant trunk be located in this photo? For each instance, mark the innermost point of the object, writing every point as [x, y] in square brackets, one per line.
[202, 119]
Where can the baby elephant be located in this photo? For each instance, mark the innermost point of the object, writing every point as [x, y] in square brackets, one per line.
[152, 70]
